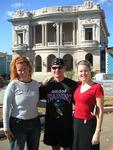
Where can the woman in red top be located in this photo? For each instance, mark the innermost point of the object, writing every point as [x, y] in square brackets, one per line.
[88, 94]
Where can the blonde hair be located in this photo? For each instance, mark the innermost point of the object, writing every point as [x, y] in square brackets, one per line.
[19, 59]
[84, 62]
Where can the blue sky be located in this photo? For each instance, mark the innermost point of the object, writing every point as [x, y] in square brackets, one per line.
[10, 6]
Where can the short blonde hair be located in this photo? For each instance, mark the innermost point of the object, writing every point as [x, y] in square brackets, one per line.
[19, 59]
[84, 62]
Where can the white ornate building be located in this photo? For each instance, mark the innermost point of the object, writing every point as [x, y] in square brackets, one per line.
[70, 32]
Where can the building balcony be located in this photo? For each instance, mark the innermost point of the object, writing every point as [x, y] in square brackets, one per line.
[41, 45]
[20, 47]
[38, 45]
[52, 44]
[89, 44]
[68, 43]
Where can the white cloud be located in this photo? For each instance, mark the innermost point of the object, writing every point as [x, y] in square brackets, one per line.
[10, 13]
[106, 2]
[17, 5]
[102, 1]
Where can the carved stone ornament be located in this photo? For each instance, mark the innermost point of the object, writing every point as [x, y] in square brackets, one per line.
[88, 21]
[88, 4]
[20, 27]
[20, 12]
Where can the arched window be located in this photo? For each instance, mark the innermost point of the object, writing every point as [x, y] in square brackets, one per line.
[49, 61]
[38, 64]
[68, 60]
[89, 57]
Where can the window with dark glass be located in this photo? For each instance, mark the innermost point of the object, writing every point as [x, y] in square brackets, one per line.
[20, 38]
[38, 64]
[88, 34]
[89, 57]
[38, 34]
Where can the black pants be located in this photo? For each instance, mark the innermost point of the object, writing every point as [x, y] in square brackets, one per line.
[25, 131]
[83, 133]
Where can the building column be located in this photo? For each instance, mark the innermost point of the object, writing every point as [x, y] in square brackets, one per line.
[34, 35]
[60, 43]
[74, 33]
[94, 32]
[26, 36]
[98, 33]
[14, 37]
[46, 34]
[58, 40]
[82, 33]
[43, 36]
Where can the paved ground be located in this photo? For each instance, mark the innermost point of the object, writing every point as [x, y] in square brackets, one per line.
[107, 132]
[106, 136]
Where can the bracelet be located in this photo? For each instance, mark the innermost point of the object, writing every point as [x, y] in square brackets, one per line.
[99, 130]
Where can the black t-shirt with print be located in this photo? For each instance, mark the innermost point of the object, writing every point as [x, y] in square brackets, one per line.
[58, 118]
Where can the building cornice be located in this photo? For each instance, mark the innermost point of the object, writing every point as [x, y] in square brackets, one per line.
[87, 7]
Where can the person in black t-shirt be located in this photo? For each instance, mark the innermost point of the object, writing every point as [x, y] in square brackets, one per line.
[58, 93]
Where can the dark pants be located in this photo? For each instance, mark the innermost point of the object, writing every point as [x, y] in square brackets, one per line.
[25, 131]
[83, 133]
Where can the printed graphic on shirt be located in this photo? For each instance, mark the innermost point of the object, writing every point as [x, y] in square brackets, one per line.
[58, 98]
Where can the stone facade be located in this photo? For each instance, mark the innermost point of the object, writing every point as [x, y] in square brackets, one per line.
[70, 32]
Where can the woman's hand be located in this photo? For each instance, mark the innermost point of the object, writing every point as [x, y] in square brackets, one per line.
[95, 111]
[96, 138]
[9, 134]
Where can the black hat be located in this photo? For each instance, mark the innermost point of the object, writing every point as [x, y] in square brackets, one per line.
[58, 61]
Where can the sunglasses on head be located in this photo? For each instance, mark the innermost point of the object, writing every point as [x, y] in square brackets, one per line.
[59, 67]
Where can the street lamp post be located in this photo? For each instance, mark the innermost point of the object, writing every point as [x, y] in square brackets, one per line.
[58, 27]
